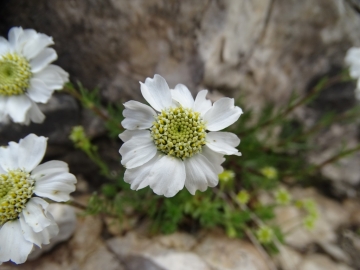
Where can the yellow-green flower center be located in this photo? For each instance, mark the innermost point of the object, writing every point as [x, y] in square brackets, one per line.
[15, 74]
[16, 188]
[179, 132]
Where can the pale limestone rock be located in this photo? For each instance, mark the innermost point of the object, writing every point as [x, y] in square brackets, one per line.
[336, 252]
[289, 259]
[222, 253]
[320, 262]
[352, 206]
[331, 217]
[268, 48]
[181, 261]
[160, 253]
[177, 240]
[290, 218]
[345, 173]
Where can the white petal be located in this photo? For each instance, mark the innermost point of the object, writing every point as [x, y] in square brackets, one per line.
[35, 115]
[128, 134]
[215, 158]
[17, 107]
[14, 35]
[4, 46]
[352, 56]
[43, 59]
[357, 90]
[38, 91]
[137, 115]
[50, 167]
[137, 151]
[156, 92]
[137, 177]
[223, 142]
[36, 45]
[24, 37]
[201, 104]
[53, 76]
[31, 151]
[29, 234]
[34, 214]
[42, 237]
[49, 232]
[9, 156]
[352, 59]
[222, 114]
[3, 113]
[2, 171]
[200, 174]
[182, 95]
[13, 245]
[55, 186]
[167, 176]
[355, 71]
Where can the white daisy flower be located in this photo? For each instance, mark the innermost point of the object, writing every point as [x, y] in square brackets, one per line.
[352, 59]
[167, 146]
[24, 220]
[26, 75]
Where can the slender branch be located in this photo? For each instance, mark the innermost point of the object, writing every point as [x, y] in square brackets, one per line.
[83, 207]
[96, 110]
[77, 205]
[335, 158]
[302, 101]
[342, 117]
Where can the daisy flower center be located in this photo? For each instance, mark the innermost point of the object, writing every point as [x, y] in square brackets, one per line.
[179, 132]
[15, 74]
[16, 188]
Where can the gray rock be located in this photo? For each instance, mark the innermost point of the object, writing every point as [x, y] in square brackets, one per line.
[266, 47]
[221, 252]
[150, 254]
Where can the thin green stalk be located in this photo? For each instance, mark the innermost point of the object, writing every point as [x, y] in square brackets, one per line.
[335, 158]
[322, 85]
[90, 105]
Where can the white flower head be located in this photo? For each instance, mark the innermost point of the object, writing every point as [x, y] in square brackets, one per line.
[24, 220]
[26, 75]
[352, 59]
[167, 147]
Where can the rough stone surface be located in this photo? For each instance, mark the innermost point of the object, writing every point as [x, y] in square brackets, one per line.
[223, 253]
[178, 251]
[331, 217]
[290, 259]
[319, 262]
[152, 254]
[268, 48]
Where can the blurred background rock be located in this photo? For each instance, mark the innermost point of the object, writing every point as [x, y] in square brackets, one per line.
[261, 49]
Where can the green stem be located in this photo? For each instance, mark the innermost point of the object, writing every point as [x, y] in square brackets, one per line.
[308, 97]
[72, 91]
[335, 158]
